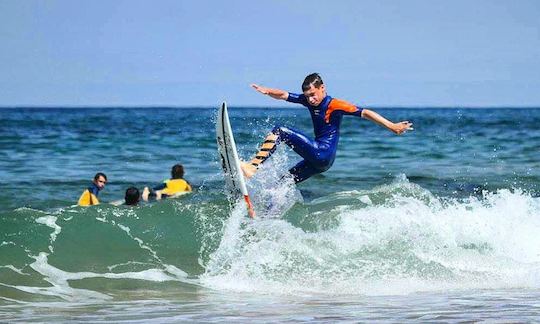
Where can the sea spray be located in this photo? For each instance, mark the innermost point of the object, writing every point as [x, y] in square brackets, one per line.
[404, 240]
[273, 188]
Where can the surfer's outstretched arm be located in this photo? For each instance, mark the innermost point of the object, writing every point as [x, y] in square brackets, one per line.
[274, 93]
[250, 168]
[397, 128]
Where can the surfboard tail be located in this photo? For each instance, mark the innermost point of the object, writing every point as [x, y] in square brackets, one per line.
[251, 211]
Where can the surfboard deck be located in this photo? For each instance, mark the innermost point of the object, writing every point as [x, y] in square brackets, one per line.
[230, 162]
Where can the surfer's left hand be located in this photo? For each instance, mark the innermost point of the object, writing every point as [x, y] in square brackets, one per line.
[402, 127]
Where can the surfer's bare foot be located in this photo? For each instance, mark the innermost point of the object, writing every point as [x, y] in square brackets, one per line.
[248, 169]
[145, 193]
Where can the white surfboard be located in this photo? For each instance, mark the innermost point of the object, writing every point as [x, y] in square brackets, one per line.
[229, 158]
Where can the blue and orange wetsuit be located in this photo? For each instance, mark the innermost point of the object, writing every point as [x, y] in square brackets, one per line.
[318, 154]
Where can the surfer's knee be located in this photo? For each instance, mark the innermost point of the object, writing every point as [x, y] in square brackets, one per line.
[324, 167]
[325, 164]
[280, 131]
[303, 172]
[276, 130]
[284, 134]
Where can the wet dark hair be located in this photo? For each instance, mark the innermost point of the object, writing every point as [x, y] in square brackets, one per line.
[100, 174]
[177, 171]
[132, 196]
[312, 79]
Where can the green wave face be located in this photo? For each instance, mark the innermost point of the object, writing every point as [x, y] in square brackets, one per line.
[393, 238]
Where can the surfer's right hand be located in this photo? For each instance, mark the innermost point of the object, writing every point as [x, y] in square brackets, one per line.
[260, 89]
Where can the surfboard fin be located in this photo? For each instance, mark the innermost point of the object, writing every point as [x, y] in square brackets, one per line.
[251, 211]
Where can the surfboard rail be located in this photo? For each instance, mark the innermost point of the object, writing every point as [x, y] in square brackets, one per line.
[229, 158]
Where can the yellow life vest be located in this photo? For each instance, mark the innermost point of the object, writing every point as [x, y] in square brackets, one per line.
[88, 199]
[175, 186]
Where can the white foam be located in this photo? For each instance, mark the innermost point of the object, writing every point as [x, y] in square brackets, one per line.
[273, 190]
[51, 222]
[13, 268]
[412, 241]
[59, 280]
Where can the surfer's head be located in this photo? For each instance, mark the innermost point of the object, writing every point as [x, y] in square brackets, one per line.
[177, 171]
[100, 179]
[314, 89]
[132, 196]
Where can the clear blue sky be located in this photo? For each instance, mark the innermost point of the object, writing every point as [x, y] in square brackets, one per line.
[192, 53]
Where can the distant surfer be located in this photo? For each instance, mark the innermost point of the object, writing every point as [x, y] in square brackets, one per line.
[89, 196]
[326, 113]
[172, 187]
[132, 196]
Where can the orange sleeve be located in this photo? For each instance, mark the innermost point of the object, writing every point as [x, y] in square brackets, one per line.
[341, 106]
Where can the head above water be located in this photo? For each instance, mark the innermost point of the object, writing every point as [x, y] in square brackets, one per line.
[314, 89]
[100, 179]
[177, 171]
[132, 196]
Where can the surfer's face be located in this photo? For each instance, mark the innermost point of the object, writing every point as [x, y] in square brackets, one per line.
[315, 95]
[100, 182]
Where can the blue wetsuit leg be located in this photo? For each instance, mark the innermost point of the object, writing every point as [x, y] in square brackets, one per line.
[302, 145]
[303, 170]
[317, 158]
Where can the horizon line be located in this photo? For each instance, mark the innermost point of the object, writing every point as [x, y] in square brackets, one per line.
[252, 107]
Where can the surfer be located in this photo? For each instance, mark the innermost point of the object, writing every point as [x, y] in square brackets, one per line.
[89, 196]
[132, 196]
[171, 187]
[326, 113]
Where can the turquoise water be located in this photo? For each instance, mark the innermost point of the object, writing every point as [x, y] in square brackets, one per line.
[440, 224]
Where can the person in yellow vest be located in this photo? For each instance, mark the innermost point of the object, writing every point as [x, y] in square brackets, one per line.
[89, 197]
[171, 187]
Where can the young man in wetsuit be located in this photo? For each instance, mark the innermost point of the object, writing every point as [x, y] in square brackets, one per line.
[89, 196]
[171, 187]
[326, 113]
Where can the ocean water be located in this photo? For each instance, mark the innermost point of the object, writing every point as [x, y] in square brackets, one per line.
[439, 225]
